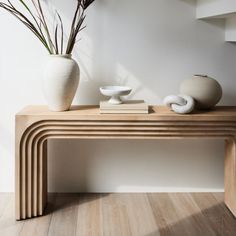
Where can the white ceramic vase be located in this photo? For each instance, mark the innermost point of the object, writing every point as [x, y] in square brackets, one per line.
[60, 81]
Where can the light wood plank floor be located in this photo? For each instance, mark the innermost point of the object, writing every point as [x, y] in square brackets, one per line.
[177, 214]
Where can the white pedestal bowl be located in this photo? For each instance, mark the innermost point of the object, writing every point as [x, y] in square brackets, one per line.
[115, 92]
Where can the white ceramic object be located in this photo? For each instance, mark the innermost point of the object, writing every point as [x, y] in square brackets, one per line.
[181, 104]
[115, 92]
[60, 81]
[206, 91]
[174, 99]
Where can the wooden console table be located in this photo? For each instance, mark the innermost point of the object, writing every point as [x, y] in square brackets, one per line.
[35, 125]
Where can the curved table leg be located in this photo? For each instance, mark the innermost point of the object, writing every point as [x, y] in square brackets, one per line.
[30, 167]
[44, 192]
[230, 175]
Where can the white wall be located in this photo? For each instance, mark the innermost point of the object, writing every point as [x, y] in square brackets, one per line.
[149, 45]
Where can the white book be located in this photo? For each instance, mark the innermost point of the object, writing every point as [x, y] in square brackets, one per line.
[135, 105]
[106, 111]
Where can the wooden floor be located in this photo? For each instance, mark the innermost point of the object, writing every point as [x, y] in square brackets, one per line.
[200, 214]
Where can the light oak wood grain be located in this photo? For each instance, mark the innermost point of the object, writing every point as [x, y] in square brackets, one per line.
[35, 125]
[64, 219]
[152, 214]
[230, 174]
[89, 219]
[156, 113]
[165, 215]
[115, 216]
[8, 225]
[139, 213]
[187, 209]
[217, 215]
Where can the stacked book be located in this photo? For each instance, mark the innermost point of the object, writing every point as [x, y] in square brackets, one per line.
[127, 107]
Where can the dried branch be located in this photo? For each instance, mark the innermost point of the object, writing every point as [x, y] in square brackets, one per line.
[37, 24]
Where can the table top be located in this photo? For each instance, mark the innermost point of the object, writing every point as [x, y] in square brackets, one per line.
[219, 113]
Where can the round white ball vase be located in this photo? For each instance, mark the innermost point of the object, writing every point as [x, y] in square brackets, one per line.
[60, 81]
[206, 91]
[115, 92]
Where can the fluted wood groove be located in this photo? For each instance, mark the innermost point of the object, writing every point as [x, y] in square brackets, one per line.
[34, 127]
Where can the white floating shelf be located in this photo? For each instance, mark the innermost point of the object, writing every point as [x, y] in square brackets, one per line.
[215, 8]
[230, 29]
[223, 9]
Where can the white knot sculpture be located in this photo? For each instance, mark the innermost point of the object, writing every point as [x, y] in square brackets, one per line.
[181, 104]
